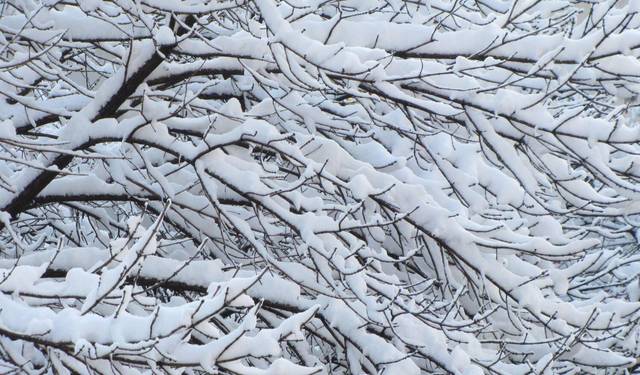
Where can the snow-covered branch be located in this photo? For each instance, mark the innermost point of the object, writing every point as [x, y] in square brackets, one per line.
[299, 187]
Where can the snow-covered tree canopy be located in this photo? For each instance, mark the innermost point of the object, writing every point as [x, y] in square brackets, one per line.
[336, 186]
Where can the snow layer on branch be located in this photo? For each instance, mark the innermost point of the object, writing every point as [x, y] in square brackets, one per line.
[302, 187]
